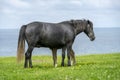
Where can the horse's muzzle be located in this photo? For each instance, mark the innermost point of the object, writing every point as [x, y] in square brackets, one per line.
[92, 39]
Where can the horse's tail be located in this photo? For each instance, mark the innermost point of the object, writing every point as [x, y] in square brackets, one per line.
[21, 44]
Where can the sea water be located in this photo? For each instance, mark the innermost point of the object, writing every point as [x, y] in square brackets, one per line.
[107, 41]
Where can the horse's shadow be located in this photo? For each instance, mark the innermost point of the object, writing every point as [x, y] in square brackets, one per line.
[50, 66]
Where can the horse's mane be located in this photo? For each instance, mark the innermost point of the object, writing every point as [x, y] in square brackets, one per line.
[77, 21]
[72, 21]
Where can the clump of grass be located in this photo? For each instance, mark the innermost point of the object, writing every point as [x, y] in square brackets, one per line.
[90, 67]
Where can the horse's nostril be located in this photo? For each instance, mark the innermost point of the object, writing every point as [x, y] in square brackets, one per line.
[92, 39]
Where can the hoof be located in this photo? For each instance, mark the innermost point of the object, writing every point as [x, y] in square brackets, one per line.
[69, 64]
[55, 65]
[31, 66]
[62, 64]
[25, 67]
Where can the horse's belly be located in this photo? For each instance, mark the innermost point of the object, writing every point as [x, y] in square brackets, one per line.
[50, 44]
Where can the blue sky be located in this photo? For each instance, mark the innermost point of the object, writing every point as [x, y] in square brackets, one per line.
[15, 13]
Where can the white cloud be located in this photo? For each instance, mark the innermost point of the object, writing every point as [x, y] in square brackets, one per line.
[101, 3]
[18, 3]
[7, 10]
[76, 2]
[23, 11]
[11, 7]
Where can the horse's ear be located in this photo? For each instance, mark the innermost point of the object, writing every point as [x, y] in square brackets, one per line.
[88, 21]
[72, 21]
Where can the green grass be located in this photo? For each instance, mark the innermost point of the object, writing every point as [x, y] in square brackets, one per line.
[89, 67]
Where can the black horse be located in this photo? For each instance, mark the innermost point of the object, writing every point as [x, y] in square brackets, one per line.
[53, 36]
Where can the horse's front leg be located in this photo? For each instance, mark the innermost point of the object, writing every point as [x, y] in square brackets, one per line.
[28, 55]
[54, 53]
[63, 56]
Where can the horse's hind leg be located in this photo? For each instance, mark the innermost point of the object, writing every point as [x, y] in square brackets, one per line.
[28, 55]
[54, 53]
[69, 48]
[72, 55]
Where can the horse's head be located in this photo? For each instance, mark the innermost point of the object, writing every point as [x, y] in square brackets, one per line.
[89, 30]
[85, 26]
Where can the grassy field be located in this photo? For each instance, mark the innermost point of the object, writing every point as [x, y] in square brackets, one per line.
[89, 67]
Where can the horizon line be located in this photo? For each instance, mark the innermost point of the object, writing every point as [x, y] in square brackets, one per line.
[94, 27]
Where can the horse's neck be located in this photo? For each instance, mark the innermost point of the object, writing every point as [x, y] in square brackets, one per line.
[78, 32]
